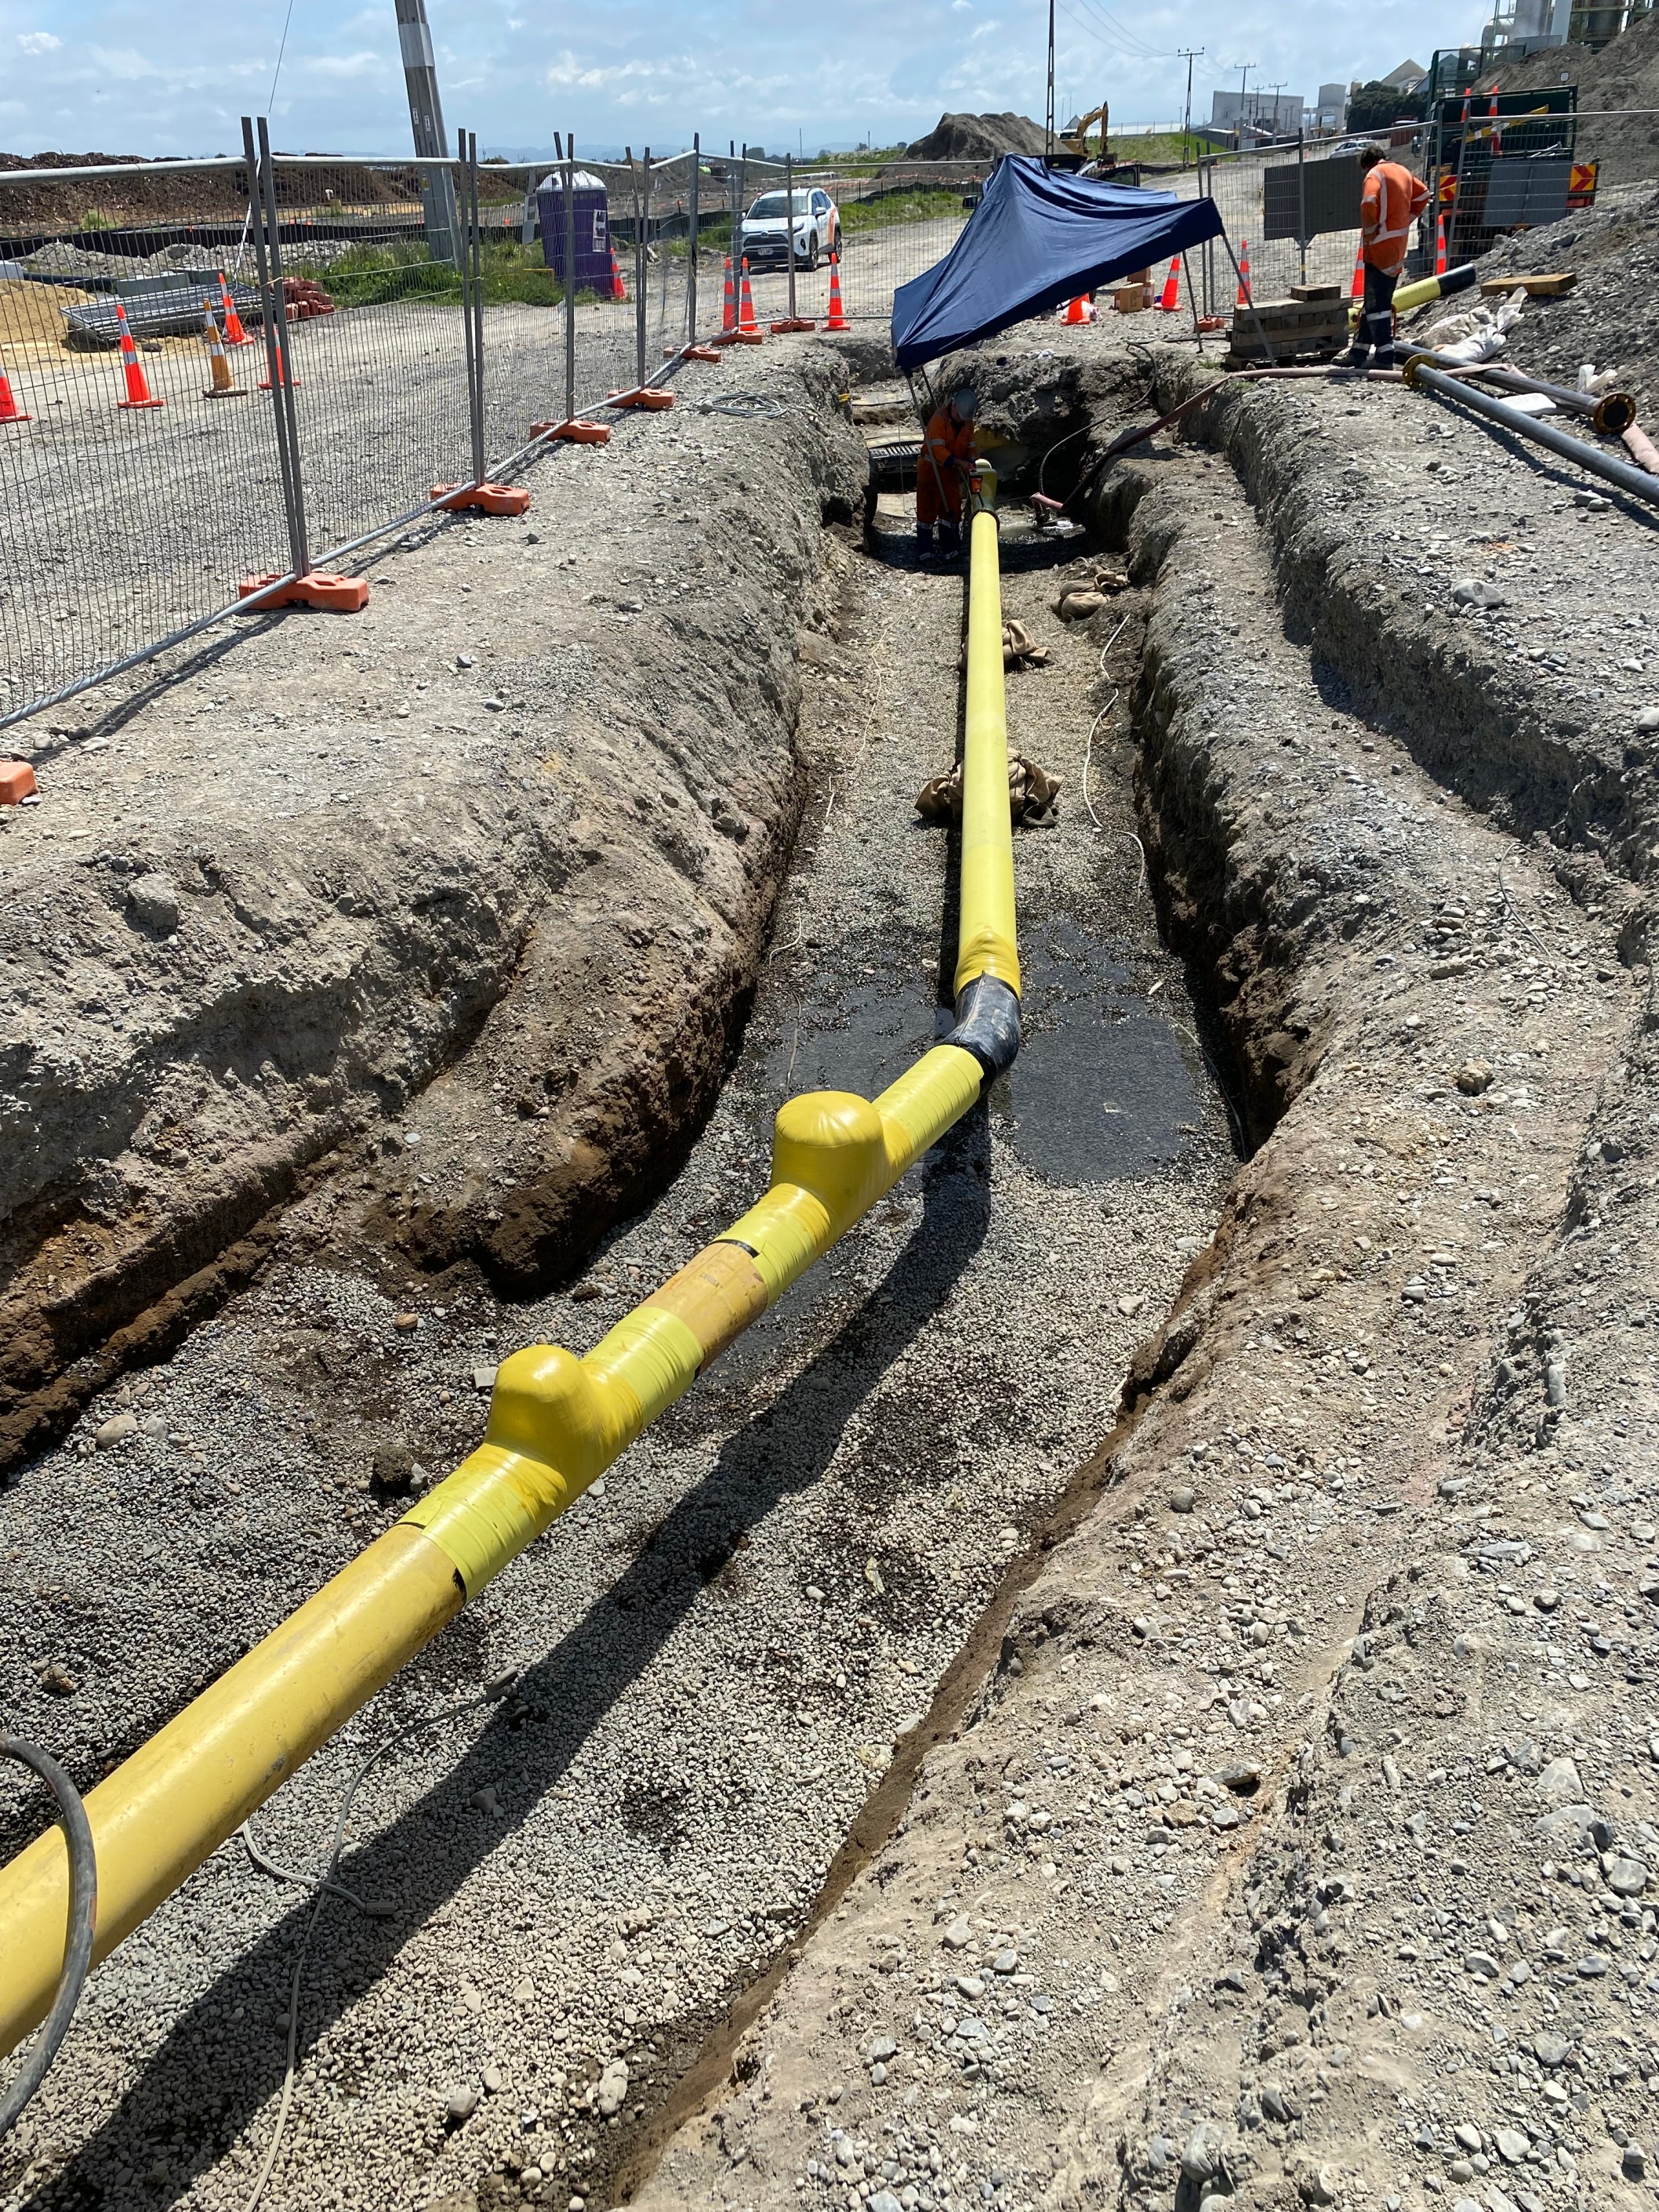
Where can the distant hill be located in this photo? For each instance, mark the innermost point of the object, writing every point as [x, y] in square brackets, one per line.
[977, 138]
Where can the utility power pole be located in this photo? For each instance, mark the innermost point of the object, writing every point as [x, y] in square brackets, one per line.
[1049, 113]
[1276, 90]
[426, 117]
[1186, 54]
[1244, 69]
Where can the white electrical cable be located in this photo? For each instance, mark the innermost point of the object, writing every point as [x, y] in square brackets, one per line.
[490, 1695]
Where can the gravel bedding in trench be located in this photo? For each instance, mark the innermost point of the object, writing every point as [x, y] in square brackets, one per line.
[1300, 1849]
[716, 1651]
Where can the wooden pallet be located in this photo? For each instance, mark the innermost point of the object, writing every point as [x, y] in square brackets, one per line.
[1318, 327]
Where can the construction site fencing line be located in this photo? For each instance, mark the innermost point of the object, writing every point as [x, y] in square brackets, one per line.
[150, 462]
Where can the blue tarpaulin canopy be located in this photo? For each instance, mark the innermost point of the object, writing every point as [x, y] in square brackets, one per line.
[1039, 236]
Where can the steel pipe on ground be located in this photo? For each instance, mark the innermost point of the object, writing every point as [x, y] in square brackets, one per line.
[1612, 412]
[555, 1423]
[1622, 474]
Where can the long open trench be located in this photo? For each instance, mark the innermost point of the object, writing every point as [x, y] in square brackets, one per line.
[715, 1659]
[866, 1667]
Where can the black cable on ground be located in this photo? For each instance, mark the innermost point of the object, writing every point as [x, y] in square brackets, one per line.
[83, 1916]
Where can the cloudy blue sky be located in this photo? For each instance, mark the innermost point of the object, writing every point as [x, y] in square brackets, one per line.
[130, 76]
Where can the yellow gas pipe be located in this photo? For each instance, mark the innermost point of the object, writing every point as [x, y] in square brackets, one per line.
[555, 1423]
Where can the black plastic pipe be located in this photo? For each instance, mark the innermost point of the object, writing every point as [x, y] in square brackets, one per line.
[1612, 412]
[1622, 474]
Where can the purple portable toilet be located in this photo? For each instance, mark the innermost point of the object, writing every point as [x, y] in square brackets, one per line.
[592, 230]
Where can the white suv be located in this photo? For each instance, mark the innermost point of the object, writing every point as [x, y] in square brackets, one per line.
[765, 229]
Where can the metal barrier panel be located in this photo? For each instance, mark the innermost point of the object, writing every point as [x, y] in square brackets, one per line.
[143, 483]
[367, 255]
[1236, 181]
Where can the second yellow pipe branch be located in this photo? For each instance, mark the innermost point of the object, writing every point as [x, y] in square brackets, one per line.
[555, 1423]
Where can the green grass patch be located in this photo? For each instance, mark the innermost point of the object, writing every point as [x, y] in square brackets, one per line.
[899, 207]
[374, 276]
[1164, 149]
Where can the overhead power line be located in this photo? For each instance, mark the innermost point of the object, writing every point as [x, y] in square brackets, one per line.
[1132, 39]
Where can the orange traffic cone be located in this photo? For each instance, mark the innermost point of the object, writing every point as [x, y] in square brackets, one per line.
[235, 334]
[9, 410]
[1356, 289]
[264, 381]
[1170, 299]
[729, 305]
[837, 313]
[1244, 299]
[138, 393]
[1077, 311]
[745, 303]
[618, 290]
[1440, 245]
[220, 386]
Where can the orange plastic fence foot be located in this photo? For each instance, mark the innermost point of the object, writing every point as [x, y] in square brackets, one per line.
[16, 782]
[488, 498]
[643, 395]
[746, 338]
[790, 322]
[574, 433]
[700, 353]
[339, 595]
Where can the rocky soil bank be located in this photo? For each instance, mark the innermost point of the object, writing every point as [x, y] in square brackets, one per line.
[514, 832]
[1299, 1847]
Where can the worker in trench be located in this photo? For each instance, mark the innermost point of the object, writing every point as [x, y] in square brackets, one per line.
[1390, 201]
[943, 474]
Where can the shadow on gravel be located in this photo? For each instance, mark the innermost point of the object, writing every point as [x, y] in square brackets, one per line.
[209, 2080]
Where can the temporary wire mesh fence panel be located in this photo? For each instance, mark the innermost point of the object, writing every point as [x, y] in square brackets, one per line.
[145, 484]
[137, 490]
[1251, 203]
[370, 272]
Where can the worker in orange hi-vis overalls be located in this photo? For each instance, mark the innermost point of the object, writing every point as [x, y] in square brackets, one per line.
[942, 475]
[1390, 202]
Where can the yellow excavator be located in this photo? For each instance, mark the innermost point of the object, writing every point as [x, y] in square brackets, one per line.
[1074, 143]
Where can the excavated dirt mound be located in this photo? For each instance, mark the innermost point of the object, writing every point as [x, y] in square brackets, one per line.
[521, 820]
[1295, 1843]
[150, 193]
[1610, 316]
[977, 138]
[1623, 75]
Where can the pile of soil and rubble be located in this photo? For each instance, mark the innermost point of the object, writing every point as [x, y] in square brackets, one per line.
[271, 946]
[33, 315]
[1624, 74]
[1299, 1845]
[147, 193]
[1611, 316]
[977, 138]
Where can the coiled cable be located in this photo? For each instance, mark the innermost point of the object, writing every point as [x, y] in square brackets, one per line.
[83, 1920]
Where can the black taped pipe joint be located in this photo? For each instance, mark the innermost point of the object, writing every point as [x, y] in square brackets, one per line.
[988, 1025]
